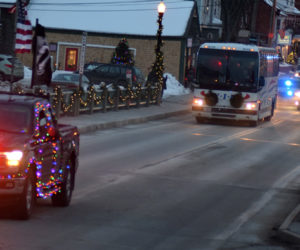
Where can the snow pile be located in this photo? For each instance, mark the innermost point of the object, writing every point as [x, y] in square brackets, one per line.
[174, 87]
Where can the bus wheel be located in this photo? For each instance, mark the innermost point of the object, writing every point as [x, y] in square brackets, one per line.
[268, 118]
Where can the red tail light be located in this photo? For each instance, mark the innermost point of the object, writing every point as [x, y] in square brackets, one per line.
[134, 78]
[8, 65]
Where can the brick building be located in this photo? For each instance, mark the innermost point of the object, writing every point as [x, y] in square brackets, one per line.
[106, 25]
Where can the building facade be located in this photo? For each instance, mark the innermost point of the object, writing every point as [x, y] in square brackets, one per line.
[180, 40]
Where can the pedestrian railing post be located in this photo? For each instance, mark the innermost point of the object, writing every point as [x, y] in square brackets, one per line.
[117, 97]
[148, 95]
[138, 96]
[76, 103]
[92, 102]
[104, 99]
[128, 97]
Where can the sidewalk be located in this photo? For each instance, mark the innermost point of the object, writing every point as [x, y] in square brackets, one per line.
[289, 230]
[171, 106]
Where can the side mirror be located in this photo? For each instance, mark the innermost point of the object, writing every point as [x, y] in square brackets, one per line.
[262, 81]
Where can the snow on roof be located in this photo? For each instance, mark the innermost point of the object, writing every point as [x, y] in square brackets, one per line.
[282, 6]
[7, 3]
[216, 21]
[126, 17]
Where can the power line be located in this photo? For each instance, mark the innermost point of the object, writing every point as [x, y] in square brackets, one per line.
[103, 3]
[112, 10]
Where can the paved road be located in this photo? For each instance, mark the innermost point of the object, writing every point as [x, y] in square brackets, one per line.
[173, 184]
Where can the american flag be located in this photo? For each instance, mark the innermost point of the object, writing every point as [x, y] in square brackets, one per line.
[24, 30]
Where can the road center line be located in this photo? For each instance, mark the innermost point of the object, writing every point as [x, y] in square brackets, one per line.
[258, 205]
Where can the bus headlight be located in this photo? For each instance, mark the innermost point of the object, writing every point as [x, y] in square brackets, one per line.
[251, 105]
[288, 83]
[289, 93]
[13, 158]
[297, 103]
[198, 102]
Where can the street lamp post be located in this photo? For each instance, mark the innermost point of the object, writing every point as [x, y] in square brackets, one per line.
[158, 66]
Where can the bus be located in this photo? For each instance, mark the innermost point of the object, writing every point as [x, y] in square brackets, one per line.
[235, 82]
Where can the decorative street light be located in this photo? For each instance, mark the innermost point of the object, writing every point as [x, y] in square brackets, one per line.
[158, 66]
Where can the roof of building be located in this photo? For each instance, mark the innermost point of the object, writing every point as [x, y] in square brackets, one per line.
[7, 3]
[284, 8]
[126, 17]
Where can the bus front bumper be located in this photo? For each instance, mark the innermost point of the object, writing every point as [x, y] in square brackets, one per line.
[225, 113]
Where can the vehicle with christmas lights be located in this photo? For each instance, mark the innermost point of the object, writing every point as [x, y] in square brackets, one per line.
[235, 82]
[38, 156]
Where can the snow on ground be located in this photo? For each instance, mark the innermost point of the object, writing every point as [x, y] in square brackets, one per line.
[174, 87]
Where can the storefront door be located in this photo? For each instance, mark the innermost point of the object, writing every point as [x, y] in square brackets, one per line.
[71, 59]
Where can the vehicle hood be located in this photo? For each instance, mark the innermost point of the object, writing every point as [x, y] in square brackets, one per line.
[11, 141]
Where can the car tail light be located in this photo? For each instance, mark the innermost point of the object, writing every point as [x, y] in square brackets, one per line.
[8, 65]
[134, 78]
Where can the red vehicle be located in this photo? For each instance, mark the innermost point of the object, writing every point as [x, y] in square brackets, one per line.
[38, 157]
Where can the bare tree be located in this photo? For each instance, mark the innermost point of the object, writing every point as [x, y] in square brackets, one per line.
[236, 15]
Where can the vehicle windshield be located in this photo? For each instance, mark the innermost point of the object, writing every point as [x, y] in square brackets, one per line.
[15, 118]
[91, 66]
[227, 70]
[72, 78]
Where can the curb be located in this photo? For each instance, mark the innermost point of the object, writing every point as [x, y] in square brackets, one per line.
[284, 233]
[122, 123]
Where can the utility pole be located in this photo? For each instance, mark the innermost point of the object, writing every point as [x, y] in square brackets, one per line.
[272, 24]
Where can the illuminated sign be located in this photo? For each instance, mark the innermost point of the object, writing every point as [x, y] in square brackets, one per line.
[284, 41]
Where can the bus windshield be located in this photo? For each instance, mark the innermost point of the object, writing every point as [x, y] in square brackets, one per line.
[227, 70]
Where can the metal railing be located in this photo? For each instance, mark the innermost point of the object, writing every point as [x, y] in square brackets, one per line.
[73, 103]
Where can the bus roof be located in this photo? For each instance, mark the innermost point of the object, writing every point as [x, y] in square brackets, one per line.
[237, 46]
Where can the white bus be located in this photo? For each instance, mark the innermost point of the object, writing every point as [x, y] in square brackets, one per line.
[235, 81]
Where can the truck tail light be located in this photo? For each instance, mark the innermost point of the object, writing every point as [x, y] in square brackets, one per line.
[13, 158]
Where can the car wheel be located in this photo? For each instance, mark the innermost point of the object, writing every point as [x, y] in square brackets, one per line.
[63, 197]
[27, 199]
